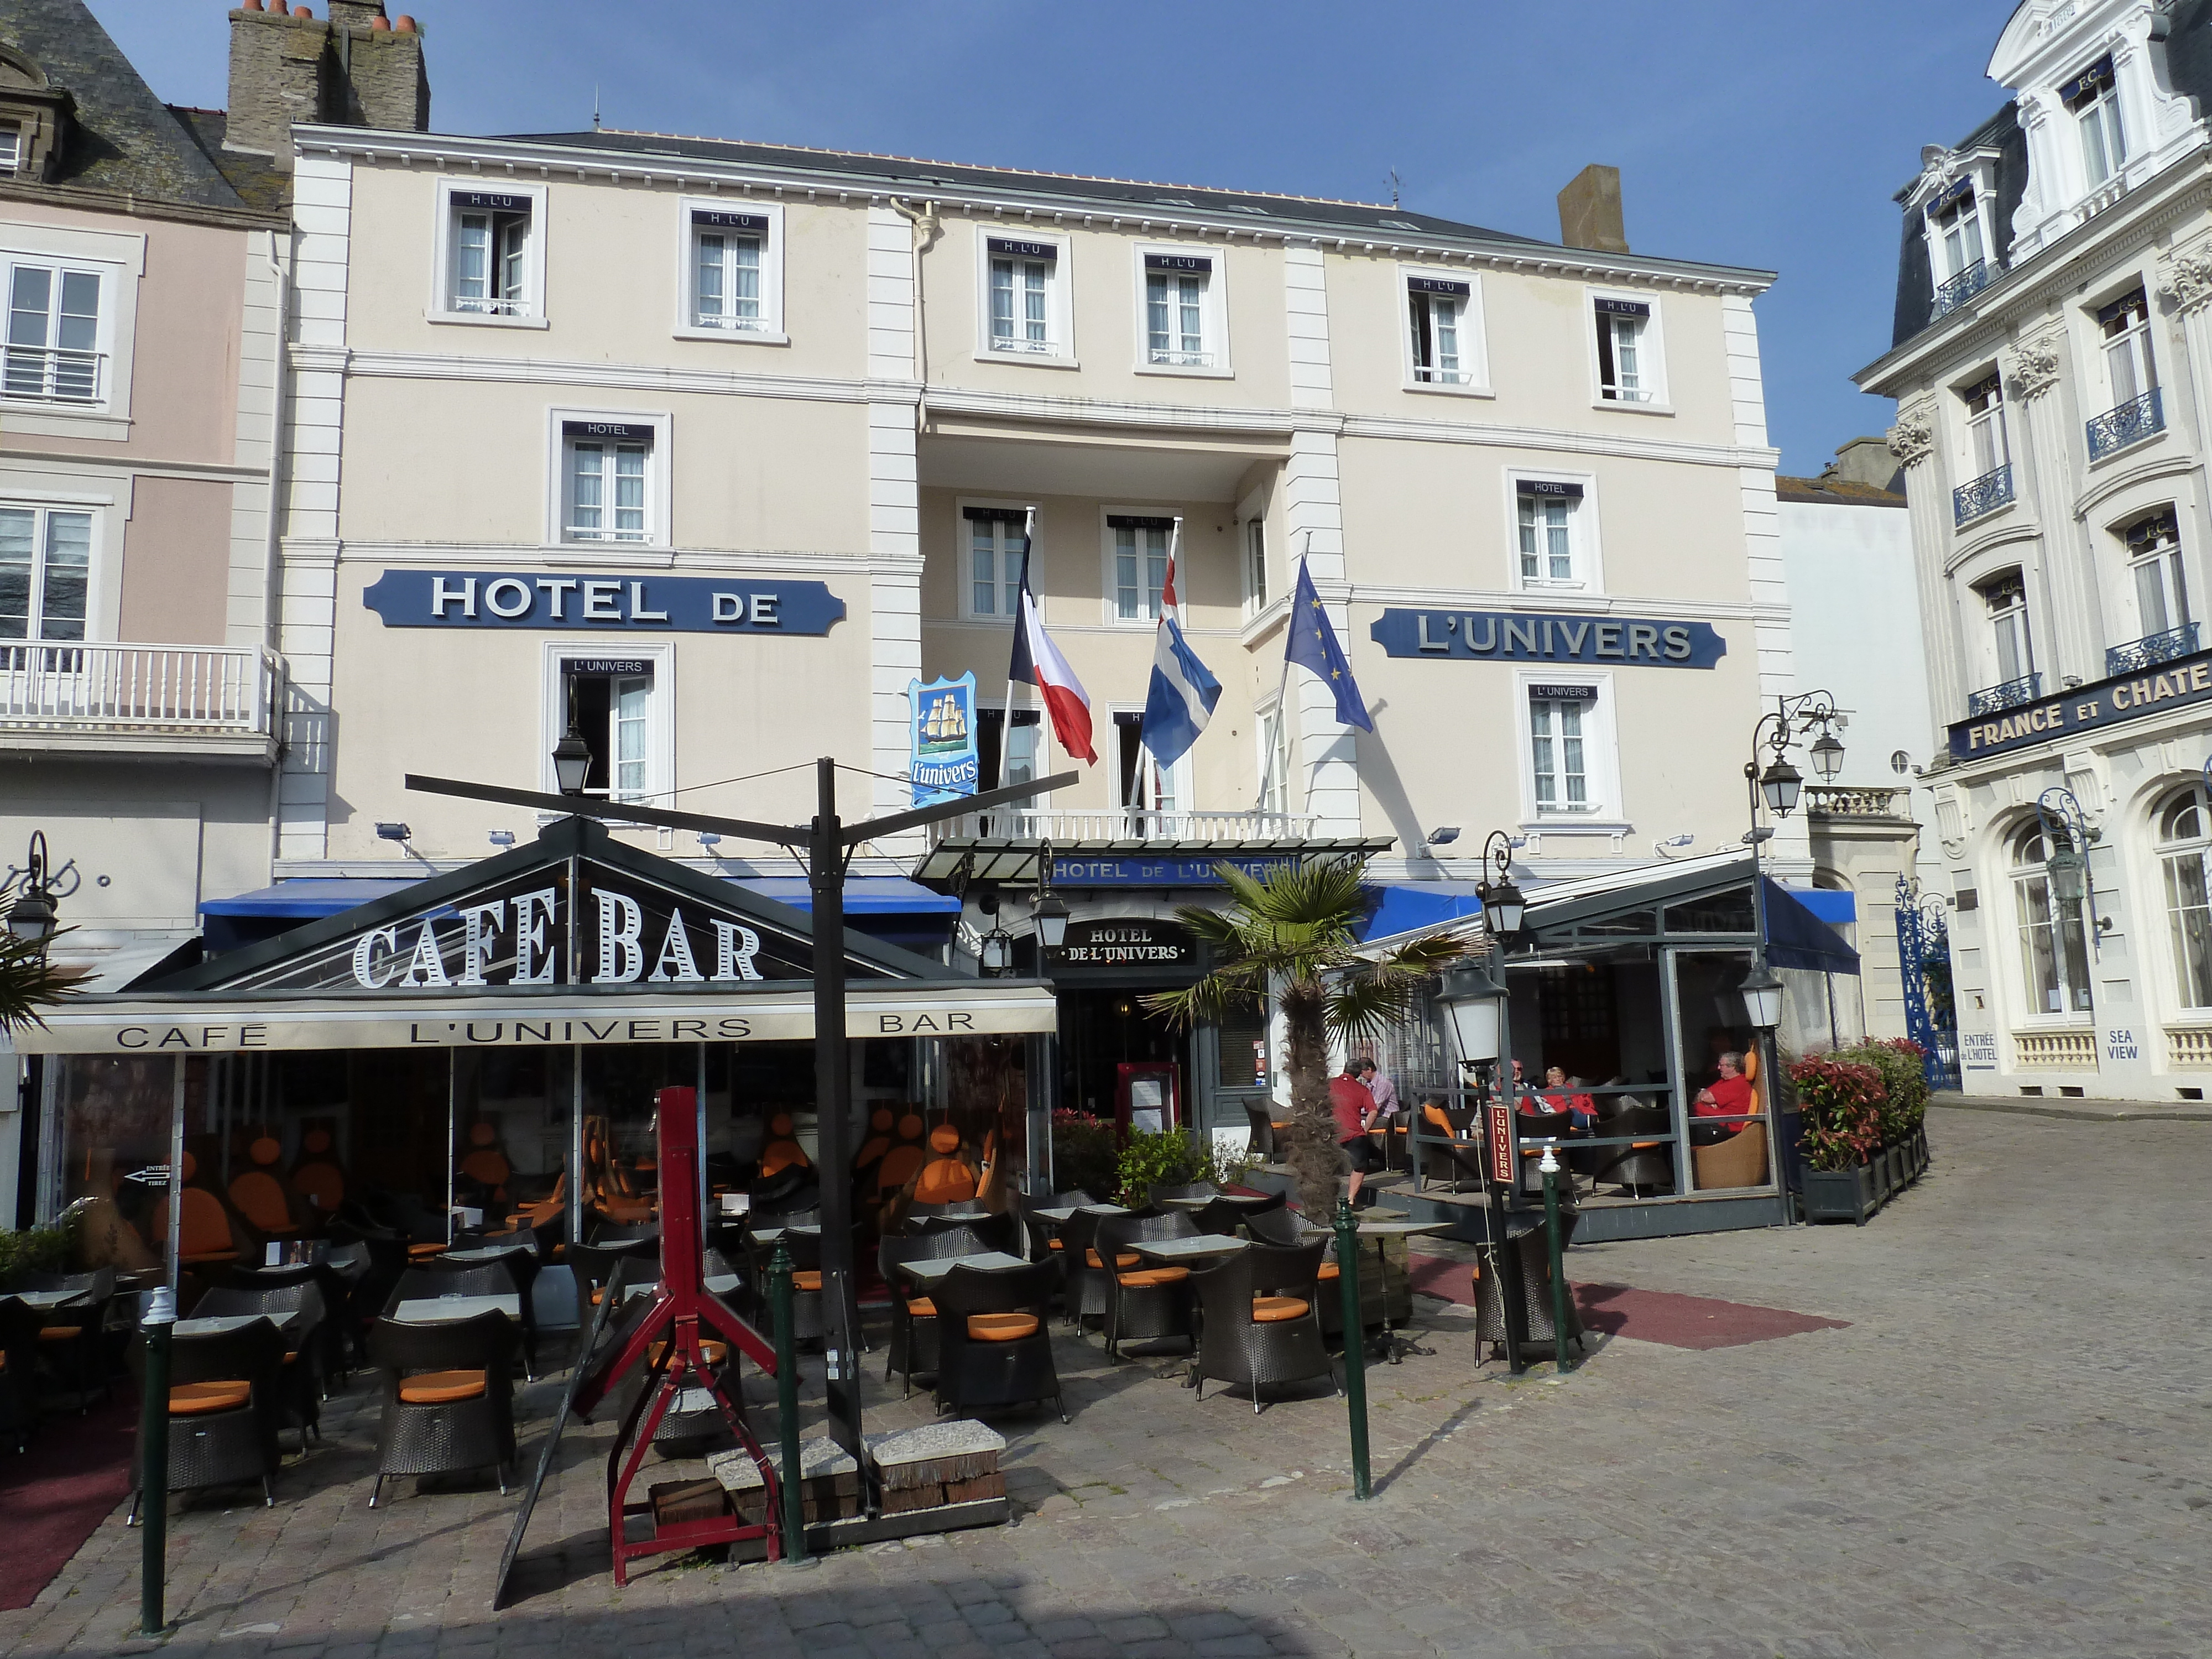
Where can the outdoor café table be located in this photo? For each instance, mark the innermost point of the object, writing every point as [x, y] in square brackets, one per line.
[1061, 1215]
[929, 1271]
[770, 1235]
[226, 1323]
[484, 1253]
[1174, 1252]
[1381, 1226]
[47, 1301]
[1189, 1201]
[437, 1309]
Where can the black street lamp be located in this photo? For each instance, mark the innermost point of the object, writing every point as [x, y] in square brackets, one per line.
[572, 762]
[2066, 854]
[33, 917]
[1050, 912]
[1503, 906]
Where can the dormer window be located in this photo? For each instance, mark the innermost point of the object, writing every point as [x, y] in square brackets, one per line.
[11, 149]
[1960, 253]
[2093, 99]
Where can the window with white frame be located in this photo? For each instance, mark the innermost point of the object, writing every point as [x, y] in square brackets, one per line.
[1137, 552]
[2053, 948]
[2128, 363]
[1274, 760]
[1956, 219]
[1022, 308]
[11, 148]
[1438, 333]
[1179, 321]
[1627, 371]
[729, 289]
[995, 550]
[1009, 756]
[2004, 597]
[2184, 845]
[1143, 788]
[491, 268]
[607, 482]
[1546, 511]
[2093, 99]
[1985, 426]
[46, 573]
[2162, 587]
[1562, 731]
[609, 702]
[54, 350]
[1255, 566]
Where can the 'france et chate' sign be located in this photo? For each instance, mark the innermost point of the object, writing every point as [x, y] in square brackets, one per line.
[651, 604]
[2168, 686]
[1518, 636]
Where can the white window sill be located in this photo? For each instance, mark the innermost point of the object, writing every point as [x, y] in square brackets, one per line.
[1555, 590]
[41, 418]
[735, 336]
[1447, 389]
[1028, 359]
[484, 319]
[1622, 406]
[1180, 371]
[1592, 822]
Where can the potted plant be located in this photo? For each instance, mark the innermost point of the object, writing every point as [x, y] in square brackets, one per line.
[1840, 1105]
[1905, 1085]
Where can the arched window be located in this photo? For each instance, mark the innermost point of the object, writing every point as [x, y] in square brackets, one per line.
[2184, 842]
[2053, 950]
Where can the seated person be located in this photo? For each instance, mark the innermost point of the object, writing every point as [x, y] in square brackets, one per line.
[1728, 1096]
[1557, 1102]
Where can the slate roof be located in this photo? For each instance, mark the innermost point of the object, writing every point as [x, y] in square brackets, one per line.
[1075, 192]
[125, 140]
[1835, 492]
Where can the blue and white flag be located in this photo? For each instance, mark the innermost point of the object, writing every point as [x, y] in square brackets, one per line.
[1183, 694]
[1311, 642]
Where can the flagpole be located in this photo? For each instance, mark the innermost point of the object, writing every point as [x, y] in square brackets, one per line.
[1282, 690]
[1007, 726]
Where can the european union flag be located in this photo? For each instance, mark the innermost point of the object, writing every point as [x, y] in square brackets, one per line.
[1312, 644]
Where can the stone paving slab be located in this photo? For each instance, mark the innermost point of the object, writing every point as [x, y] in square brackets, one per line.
[2004, 1450]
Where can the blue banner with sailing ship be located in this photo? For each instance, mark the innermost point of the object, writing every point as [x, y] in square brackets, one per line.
[944, 765]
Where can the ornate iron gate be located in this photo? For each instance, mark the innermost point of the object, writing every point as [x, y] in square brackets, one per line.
[1923, 961]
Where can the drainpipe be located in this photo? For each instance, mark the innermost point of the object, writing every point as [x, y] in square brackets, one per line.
[272, 602]
[925, 226]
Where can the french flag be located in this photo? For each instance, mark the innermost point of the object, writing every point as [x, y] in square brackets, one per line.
[1183, 694]
[1038, 662]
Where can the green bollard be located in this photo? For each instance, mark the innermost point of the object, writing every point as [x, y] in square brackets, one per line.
[1355, 1343]
[1550, 1168]
[786, 1403]
[154, 1324]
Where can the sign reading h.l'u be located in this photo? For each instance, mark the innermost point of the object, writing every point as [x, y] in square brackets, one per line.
[1517, 636]
[2086, 708]
[658, 604]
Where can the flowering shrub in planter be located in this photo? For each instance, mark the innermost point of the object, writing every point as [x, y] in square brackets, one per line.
[1904, 1084]
[1840, 1105]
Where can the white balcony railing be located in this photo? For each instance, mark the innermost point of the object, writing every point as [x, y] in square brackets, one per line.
[1048, 824]
[135, 689]
[52, 375]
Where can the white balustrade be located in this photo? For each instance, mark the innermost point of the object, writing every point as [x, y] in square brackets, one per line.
[47, 685]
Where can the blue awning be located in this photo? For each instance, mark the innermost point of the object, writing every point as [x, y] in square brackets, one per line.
[1837, 906]
[1406, 907]
[1795, 938]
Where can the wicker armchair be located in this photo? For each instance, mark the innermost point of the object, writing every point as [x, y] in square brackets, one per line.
[1156, 1197]
[1647, 1165]
[326, 1344]
[448, 1397]
[1223, 1219]
[1266, 1128]
[914, 1345]
[225, 1394]
[994, 1348]
[1142, 1304]
[1534, 1256]
[1086, 1281]
[1446, 1154]
[512, 1273]
[1262, 1320]
[300, 1387]
[73, 1342]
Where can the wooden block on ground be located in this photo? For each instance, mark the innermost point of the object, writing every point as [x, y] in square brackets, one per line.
[687, 1500]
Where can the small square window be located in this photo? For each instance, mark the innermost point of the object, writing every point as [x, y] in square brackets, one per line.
[1627, 353]
[1138, 550]
[491, 265]
[732, 285]
[994, 552]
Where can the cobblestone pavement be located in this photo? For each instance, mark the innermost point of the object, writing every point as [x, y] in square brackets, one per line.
[2004, 1452]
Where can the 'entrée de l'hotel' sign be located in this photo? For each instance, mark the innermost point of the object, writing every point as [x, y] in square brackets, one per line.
[633, 603]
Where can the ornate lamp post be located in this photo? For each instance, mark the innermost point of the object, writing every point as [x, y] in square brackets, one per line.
[33, 918]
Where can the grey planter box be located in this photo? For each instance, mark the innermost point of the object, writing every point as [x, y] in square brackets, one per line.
[1841, 1194]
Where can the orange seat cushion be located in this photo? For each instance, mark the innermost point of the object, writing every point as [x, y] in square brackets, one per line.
[1329, 1270]
[922, 1308]
[1054, 1244]
[944, 1181]
[782, 1155]
[1153, 1278]
[1122, 1259]
[1002, 1326]
[441, 1387]
[599, 1296]
[61, 1333]
[198, 1399]
[806, 1279]
[715, 1352]
[1273, 1309]
[417, 1251]
[898, 1167]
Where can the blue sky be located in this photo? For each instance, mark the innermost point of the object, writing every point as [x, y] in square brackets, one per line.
[1748, 133]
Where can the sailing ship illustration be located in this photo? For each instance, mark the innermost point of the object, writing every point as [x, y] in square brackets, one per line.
[946, 725]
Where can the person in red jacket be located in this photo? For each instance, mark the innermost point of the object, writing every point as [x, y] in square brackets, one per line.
[1728, 1095]
[1348, 1098]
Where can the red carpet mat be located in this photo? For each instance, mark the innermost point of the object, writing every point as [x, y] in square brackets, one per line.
[53, 1496]
[1678, 1322]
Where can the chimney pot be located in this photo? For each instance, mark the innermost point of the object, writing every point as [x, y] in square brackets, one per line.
[405, 24]
[302, 11]
[1589, 211]
[380, 26]
[249, 5]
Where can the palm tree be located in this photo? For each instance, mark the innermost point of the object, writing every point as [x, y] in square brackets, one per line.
[28, 982]
[1290, 933]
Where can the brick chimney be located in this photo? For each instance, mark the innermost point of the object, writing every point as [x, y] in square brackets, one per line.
[358, 69]
[1589, 211]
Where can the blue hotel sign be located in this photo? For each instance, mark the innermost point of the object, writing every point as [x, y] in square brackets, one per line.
[654, 604]
[1518, 636]
[1179, 871]
[2087, 707]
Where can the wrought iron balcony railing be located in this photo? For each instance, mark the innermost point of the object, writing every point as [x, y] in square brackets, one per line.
[1986, 493]
[1995, 699]
[2130, 423]
[2151, 650]
[1950, 295]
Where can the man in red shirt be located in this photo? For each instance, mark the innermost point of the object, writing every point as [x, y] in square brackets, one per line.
[1354, 1106]
[1729, 1095]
